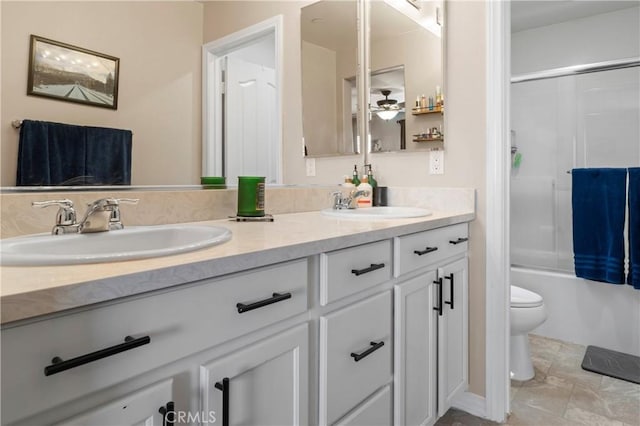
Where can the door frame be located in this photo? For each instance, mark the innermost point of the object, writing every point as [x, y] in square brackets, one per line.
[212, 119]
[498, 162]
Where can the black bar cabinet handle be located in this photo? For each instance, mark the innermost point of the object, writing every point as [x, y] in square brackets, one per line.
[450, 278]
[168, 411]
[425, 251]
[58, 365]
[276, 297]
[373, 267]
[458, 241]
[374, 347]
[224, 387]
[439, 307]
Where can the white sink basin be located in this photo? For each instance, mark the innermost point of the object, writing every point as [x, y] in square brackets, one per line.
[378, 212]
[135, 242]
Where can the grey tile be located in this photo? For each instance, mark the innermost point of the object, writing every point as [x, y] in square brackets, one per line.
[545, 396]
[588, 418]
[568, 367]
[523, 414]
[572, 349]
[455, 417]
[611, 384]
[614, 405]
[543, 348]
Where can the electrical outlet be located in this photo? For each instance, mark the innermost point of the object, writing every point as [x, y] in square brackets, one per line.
[311, 166]
[436, 162]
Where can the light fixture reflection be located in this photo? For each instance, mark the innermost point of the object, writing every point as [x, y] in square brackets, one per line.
[387, 114]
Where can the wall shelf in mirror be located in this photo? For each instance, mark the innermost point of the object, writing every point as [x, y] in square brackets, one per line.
[423, 139]
[421, 111]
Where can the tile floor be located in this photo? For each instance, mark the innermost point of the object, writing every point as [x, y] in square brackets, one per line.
[562, 393]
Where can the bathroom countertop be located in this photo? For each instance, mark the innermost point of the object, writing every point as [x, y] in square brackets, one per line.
[27, 292]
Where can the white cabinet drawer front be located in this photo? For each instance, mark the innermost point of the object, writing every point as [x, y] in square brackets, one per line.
[360, 331]
[375, 411]
[422, 249]
[178, 323]
[351, 270]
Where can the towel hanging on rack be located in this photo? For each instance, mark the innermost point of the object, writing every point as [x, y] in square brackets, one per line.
[598, 208]
[634, 228]
[64, 154]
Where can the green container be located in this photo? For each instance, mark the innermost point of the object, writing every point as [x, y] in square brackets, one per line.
[213, 182]
[251, 196]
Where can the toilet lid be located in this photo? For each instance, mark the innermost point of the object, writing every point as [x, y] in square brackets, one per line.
[523, 298]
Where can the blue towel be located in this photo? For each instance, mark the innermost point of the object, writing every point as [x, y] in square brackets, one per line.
[598, 202]
[634, 228]
[64, 154]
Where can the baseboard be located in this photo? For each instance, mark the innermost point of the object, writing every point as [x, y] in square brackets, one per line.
[471, 403]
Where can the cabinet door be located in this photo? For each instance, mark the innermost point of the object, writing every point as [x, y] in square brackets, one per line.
[453, 333]
[375, 411]
[263, 384]
[146, 407]
[415, 352]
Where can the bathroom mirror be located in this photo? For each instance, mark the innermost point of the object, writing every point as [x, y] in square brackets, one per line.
[406, 59]
[329, 47]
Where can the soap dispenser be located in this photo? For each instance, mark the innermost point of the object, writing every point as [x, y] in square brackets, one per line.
[365, 200]
[355, 179]
[372, 181]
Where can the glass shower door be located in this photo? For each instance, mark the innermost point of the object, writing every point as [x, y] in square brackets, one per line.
[588, 120]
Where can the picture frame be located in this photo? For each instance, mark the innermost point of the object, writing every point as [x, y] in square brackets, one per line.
[73, 74]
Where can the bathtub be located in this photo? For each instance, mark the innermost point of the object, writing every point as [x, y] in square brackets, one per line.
[585, 312]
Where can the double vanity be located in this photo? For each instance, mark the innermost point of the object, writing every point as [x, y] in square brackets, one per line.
[310, 319]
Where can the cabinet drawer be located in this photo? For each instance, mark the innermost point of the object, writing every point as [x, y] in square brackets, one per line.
[414, 251]
[348, 271]
[375, 411]
[361, 332]
[178, 323]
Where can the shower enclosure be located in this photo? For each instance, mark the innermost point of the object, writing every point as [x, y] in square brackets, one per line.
[560, 123]
[562, 120]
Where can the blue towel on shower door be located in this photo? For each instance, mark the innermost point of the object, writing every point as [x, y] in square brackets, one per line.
[598, 203]
[634, 228]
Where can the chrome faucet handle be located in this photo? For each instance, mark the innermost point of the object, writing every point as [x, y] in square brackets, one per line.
[114, 220]
[65, 218]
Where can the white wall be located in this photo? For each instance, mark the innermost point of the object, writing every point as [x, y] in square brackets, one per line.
[585, 312]
[596, 38]
[319, 102]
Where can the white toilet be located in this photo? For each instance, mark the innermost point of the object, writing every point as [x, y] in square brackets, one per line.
[527, 312]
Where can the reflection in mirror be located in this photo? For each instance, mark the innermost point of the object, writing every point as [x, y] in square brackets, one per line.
[406, 58]
[329, 65]
[243, 125]
[387, 124]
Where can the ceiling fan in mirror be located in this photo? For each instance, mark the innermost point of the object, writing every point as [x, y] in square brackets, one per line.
[387, 108]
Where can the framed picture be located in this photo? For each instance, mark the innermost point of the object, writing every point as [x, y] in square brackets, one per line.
[73, 74]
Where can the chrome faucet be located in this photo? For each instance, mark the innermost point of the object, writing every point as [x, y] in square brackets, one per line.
[101, 215]
[341, 201]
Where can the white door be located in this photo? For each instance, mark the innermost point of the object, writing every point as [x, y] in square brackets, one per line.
[453, 334]
[251, 148]
[263, 384]
[146, 407]
[415, 352]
